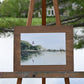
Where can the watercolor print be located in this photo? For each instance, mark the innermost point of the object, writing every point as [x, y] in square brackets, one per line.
[43, 49]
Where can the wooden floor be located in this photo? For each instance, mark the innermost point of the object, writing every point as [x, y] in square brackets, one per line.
[41, 74]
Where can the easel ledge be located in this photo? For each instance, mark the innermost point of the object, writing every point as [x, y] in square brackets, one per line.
[42, 75]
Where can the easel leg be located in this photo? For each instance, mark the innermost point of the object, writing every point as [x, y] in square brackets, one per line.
[57, 14]
[30, 12]
[43, 12]
[19, 81]
[67, 81]
[43, 80]
[43, 23]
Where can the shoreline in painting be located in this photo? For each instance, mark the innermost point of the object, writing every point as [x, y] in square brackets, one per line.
[49, 50]
[27, 47]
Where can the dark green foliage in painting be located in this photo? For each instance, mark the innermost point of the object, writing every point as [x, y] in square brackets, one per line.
[27, 46]
[37, 47]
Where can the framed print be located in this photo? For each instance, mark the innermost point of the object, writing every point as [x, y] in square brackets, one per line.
[43, 48]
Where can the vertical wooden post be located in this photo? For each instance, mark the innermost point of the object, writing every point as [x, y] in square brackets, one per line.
[43, 80]
[67, 81]
[30, 12]
[43, 12]
[19, 81]
[43, 23]
[57, 14]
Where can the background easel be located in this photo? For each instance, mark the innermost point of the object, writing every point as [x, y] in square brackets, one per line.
[29, 21]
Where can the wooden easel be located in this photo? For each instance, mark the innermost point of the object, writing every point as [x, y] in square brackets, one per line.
[29, 21]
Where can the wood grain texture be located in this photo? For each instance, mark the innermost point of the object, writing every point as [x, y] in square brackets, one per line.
[67, 81]
[19, 81]
[43, 23]
[42, 74]
[30, 12]
[43, 12]
[57, 14]
[43, 80]
[44, 29]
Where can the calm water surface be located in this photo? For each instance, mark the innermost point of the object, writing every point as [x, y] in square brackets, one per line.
[44, 58]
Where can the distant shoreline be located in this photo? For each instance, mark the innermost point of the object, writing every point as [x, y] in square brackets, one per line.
[43, 50]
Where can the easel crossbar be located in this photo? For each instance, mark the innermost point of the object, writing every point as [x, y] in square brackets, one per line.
[42, 75]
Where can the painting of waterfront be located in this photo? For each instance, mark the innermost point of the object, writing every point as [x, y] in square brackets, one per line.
[43, 48]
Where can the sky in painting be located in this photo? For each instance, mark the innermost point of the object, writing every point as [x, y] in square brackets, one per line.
[46, 40]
